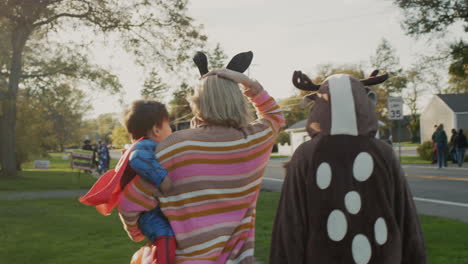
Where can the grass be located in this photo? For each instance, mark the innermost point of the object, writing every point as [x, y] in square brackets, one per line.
[408, 144]
[413, 160]
[276, 156]
[60, 231]
[266, 212]
[64, 231]
[58, 177]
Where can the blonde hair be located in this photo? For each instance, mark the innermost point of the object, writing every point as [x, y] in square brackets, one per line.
[219, 101]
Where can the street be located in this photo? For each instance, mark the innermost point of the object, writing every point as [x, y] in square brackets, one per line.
[437, 192]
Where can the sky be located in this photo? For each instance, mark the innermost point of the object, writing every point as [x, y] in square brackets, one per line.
[286, 36]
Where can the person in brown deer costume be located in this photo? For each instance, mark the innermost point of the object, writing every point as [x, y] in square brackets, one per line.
[345, 198]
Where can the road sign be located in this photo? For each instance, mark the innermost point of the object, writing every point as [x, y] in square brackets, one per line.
[42, 164]
[395, 108]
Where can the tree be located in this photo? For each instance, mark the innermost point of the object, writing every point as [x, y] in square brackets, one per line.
[155, 31]
[180, 111]
[120, 136]
[154, 87]
[217, 58]
[292, 110]
[65, 108]
[283, 138]
[48, 120]
[387, 60]
[424, 17]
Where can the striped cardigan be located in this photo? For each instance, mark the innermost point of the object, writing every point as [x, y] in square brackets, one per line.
[136, 198]
[217, 173]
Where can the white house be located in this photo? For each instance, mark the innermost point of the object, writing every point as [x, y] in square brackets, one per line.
[448, 109]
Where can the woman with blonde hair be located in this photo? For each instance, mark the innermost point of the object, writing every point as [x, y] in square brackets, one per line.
[217, 166]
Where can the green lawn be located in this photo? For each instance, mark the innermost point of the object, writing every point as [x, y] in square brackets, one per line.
[413, 160]
[59, 177]
[408, 144]
[63, 231]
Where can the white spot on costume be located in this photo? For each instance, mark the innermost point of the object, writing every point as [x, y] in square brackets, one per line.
[363, 167]
[353, 202]
[361, 249]
[324, 175]
[380, 231]
[337, 226]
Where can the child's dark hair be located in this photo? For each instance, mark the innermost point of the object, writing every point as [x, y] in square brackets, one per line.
[142, 115]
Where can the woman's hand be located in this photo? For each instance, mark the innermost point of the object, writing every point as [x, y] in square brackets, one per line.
[251, 87]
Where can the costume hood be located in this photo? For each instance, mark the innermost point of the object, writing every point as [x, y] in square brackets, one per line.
[343, 106]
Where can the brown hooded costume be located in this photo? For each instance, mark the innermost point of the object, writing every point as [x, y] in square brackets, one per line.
[345, 198]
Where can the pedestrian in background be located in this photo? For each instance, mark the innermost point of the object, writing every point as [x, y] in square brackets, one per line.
[104, 157]
[461, 145]
[440, 140]
[434, 146]
[453, 148]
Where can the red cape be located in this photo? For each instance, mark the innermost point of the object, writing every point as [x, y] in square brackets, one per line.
[105, 193]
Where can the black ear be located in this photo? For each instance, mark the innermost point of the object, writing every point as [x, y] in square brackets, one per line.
[240, 62]
[201, 61]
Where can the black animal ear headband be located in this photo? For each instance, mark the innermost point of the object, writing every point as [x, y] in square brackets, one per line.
[303, 82]
[238, 63]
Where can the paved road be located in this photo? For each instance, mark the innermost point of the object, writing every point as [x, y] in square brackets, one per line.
[436, 192]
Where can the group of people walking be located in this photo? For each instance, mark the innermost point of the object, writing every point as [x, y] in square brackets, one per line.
[101, 157]
[456, 146]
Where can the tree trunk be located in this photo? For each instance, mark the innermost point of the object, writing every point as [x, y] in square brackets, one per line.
[8, 116]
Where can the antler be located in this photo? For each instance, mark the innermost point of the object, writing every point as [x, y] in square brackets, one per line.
[201, 61]
[303, 82]
[375, 79]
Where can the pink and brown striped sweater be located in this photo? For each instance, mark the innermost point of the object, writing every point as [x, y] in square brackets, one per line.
[216, 173]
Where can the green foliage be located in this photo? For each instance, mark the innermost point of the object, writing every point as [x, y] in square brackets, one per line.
[49, 120]
[217, 58]
[283, 138]
[386, 59]
[425, 150]
[431, 16]
[99, 128]
[120, 137]
[157, 32]
[459, 66]
[180, 110]
[426, 16]
[292, 110]
[154, 87]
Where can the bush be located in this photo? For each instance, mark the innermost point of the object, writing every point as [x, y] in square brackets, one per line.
[425, 150]
[283, 138]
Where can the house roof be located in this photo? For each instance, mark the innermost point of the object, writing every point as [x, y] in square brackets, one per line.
[457, 102]
[298, 125]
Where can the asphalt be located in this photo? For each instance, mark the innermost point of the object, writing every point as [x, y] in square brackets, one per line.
[437, 192]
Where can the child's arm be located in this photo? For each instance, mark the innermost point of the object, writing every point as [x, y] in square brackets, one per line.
[145, 164]
[130, 223]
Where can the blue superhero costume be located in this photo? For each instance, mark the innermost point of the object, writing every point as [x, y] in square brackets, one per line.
[153, 224]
